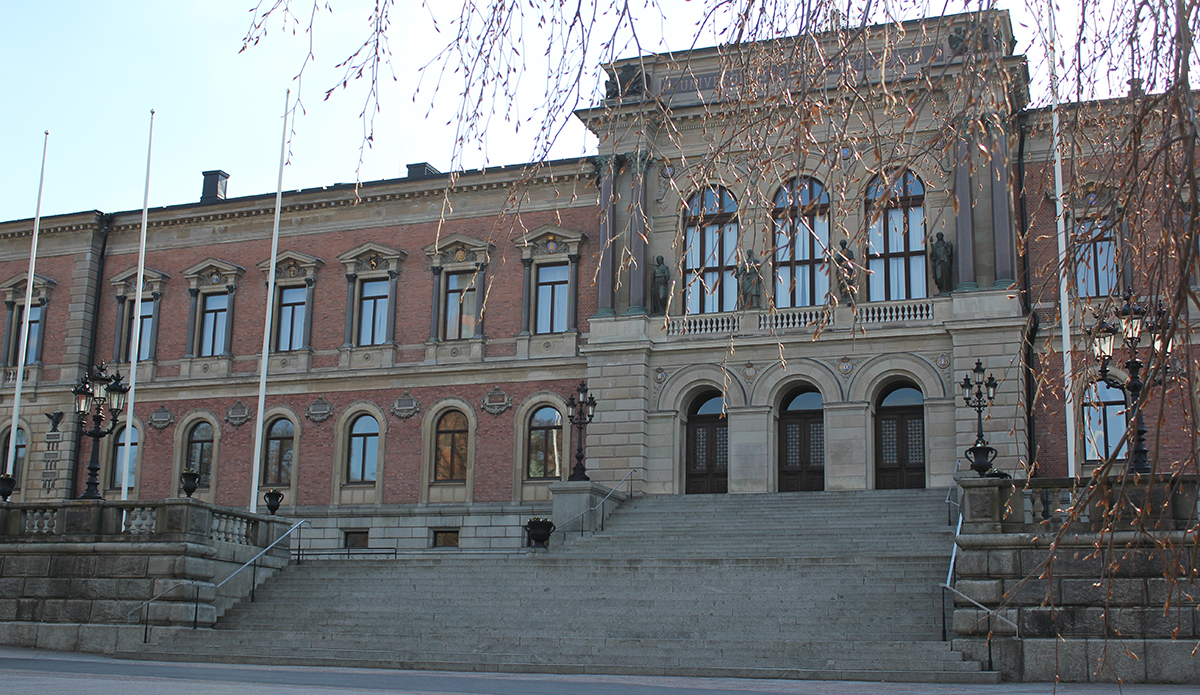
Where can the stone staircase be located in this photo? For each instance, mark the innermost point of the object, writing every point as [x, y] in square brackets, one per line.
[827, 585]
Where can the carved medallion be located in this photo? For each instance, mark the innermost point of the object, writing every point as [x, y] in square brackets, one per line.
[659, 376]
[162, 418]
[406, 406]
[496, 402]
[214, 277]
[319, 410]
[238, 414]
[943, 361]
[845, 366]
[749, 371]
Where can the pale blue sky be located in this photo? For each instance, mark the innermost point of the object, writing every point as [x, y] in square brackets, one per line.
[90, 72]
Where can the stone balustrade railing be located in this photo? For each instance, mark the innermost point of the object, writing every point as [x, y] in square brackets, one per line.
[769, 322]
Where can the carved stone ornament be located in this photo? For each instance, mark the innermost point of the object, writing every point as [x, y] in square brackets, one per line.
[293, 270]
[319, 410]
[496, 402]
[845, 366]
[238, 414]
[215, 277]
[458, 254]
[659, 376]
[371, 261]
[161, 418]
[942, 361]
[749, 371]
[406, 406]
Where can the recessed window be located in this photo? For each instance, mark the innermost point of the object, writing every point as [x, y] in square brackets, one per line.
[710, 252]
[373, 313]
[127, 438]
[1104, 423]
[364, 450]
[553, 300]
[277, 458]
[801, 219]
[1096, 258]
[450, 456]
[357, 539]
[200, 451]
[445, 538]
[213, 324]
[33, 348]
[460, 305]
[292, 318]
[18, 463]
[145, 330]
[896, 238]
[544, 455]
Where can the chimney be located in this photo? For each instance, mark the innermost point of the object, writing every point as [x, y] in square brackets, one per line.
[1135, 87]
[420, 170]
[214, 186]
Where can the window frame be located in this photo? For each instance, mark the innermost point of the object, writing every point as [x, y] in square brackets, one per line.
[898, 190]
[546, 448]
[153, 282]
[790, 209]
[1095, 409]
[190, 441]
[1090, 270]
[458, 296]
[14, 301]
[802, 477]
[549, 245]
[351, 438]
[206, 278]
[901, 413]
[293, 270]
[455, 435]
[115, 453]
[710, 288]
[20, 458]
[370, 262]
[457, 254]
[264, 480]
[714, 478]
[556, 287]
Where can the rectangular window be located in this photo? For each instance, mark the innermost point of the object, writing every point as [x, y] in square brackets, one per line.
[145, 322]
[710, 261]
[552, 299]
[35, 328]
[372, 313]
[290, 331]
[460, 306]
[357, 539]
[212, 324]
[445, 538]
[1096, 262]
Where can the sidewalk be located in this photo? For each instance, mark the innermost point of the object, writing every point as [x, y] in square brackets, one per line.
[34, 671]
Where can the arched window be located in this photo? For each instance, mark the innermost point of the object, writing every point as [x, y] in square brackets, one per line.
[277, 454]
[544, 453]
[900, 439]
[18, 463]
[1104, 422]
[363, 457]
[710, 252]
[802, 442]
[1096, 258]
[450, 454]
[200, 451]
[126, 436]
[708, 446]
[896, 238]
[801, 218]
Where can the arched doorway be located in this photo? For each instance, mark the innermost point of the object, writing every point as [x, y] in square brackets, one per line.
[707, 467]
[900, 439]
[802, 442]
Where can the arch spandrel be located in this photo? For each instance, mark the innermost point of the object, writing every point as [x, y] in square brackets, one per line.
[681, 386]
[775, 379]
[873, 374]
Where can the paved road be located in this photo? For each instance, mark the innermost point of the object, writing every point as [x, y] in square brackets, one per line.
[33, 671]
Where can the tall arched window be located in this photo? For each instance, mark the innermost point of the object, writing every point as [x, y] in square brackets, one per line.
[277, 454]
[900, 439]
[708, 446]
[363, 458]
[710, 252]
[200, 451]
[802, 442]
[18, 463]
[1104, 422]
[450, 454]
[126, 437]
[544, 452]
[801, 218]
[896, 237]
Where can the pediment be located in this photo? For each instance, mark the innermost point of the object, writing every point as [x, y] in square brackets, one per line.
[213, 272]
[458, 248]
[152, 280]
[292, 264]
[370, 256]
[14, 287]
[549, 240]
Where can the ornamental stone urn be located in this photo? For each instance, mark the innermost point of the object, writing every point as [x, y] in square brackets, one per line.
[539, 531]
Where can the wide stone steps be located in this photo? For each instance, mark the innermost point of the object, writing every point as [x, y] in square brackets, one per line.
[818, 585]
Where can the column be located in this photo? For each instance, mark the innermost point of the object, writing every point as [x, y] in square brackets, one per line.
[437, 303]
[393, 277]
[309, 284]
[964, 247]
[156, 297]
[1002, 229]
[351, 284]
[525, 298]
[573, 294]
[120, 328]
[604, 280]
[194, 295]
[637, 235]
[229, 322]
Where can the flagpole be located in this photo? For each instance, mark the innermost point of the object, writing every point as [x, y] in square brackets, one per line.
[14, 430]
[264, 359]
[135, 334]
[1064, 265]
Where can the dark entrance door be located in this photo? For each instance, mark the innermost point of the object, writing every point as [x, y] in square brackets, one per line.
[707, 470]
[900, 448]
[802, 444]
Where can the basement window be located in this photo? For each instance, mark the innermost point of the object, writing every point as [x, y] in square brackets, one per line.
[445, 538]
[357, 539]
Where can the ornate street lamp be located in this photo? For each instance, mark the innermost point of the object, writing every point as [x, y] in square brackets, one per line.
[103, 397]
[1133, 324]
[980, 455]
[580, 413]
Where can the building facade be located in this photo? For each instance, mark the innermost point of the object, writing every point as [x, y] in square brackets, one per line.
[763, 294]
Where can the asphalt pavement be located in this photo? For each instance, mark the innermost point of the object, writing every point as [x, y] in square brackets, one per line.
[37, 671]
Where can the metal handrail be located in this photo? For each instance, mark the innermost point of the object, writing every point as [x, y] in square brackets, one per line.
[193, 583]
[989, 611]
[598, 505]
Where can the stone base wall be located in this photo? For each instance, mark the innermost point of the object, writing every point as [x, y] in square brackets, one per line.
[410, 527]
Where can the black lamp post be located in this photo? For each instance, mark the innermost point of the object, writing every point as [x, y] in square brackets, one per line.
[580, 413]
[94, 394]
[1134, 323]
[980, 455]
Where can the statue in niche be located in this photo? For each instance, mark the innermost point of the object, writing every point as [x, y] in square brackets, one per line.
[843, 266]
[941, 257]
[660, 287]
[750, 275]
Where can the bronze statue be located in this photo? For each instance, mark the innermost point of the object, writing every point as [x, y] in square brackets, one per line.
[660, 287]
[941, 257]
[750, 274]
[843, 265]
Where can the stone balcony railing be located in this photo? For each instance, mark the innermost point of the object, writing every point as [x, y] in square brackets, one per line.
[770, 322]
